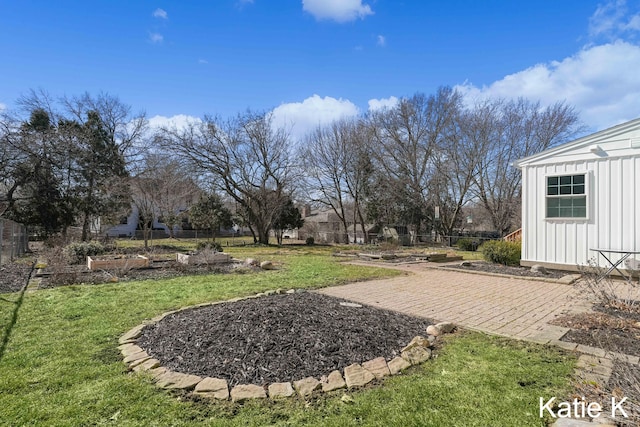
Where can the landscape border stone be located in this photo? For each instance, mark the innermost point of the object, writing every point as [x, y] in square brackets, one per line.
[356, 375]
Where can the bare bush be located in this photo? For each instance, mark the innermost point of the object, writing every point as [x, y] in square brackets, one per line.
[625, 382]
[58, 266]
[620, 294]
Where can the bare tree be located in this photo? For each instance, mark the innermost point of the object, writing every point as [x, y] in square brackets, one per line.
[337, 164]
[505, 132]
[174, 188]
[325, 158]
[406, 137]
[125, 130]
[248, 158]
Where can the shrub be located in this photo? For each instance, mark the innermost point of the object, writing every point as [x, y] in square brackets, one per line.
[310, 240]
[212, 246]
[466, 244]
[79, 251]
[502, 252]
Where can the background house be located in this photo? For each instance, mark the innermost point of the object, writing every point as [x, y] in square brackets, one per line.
[582, 195]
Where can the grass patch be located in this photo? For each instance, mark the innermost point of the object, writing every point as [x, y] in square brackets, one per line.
[61, 366]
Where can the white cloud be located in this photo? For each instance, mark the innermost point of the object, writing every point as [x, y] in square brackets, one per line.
[3, 106]
[607, 18]
[382, 103]
[160, 13]
[300, 118]
[634, 23]
[156, 38]
[337, 10]
[381, 40]
[613, 20]
[601, 82]
[179, 121]
[202, 61]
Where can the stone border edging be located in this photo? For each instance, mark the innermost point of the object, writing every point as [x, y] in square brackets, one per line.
[418, 351]
[564, 280]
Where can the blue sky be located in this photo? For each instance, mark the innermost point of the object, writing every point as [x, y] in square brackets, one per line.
[316, 60]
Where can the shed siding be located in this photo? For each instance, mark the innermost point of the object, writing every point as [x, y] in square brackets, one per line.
[613, 198]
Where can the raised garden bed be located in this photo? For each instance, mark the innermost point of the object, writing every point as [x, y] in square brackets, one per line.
[198, 258]
[117, 262]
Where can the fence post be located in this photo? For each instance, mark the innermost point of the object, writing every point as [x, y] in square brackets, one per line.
[13, 241]
[1, 241]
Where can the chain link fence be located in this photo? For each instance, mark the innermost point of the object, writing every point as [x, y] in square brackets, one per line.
[13, 240]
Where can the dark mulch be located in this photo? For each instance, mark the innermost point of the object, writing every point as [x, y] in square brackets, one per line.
[488, 267]
[13, 277]
[610, 328]
[277, 338]
[80, 274]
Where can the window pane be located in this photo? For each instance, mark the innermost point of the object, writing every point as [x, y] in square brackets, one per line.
[578, 189]
[553, 202]
[565, 202]
[552, 180]
[578, 179]
[566, 212]
[552, 212]
[580, 202]
[564, 180]
[580, 212]
[565, 189]
[552, 191]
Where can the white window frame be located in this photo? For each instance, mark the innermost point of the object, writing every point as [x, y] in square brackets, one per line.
[561, 196]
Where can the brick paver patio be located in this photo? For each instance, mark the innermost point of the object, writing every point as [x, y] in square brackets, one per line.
[508, 306]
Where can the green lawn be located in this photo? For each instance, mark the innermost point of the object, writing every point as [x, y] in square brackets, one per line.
[61, 365]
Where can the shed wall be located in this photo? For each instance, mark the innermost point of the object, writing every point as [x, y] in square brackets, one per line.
[613, 206]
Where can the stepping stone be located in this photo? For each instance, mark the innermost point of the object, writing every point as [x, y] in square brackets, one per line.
[397, 365]
[378, 367]
[333, 382]
[356, 376]
[215, 388]
[278, 390]
[242, 392]
[306, 386]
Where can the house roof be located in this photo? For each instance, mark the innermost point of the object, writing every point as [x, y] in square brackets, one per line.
[627, 132]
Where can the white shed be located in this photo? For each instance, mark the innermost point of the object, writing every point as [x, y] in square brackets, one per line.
[582, 195]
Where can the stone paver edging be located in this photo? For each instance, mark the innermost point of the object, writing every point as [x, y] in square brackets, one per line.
[355, 375]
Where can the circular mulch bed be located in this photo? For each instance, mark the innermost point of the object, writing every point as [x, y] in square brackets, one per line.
[277, 338]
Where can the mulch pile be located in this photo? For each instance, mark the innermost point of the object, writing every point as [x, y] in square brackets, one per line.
[277, 338]
[80, 274]
[489, 267]
[13, 277]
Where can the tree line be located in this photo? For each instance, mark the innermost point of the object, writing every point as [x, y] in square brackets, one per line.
[85, 160]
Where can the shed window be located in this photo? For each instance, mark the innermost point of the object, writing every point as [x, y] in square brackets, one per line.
[566, 196]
